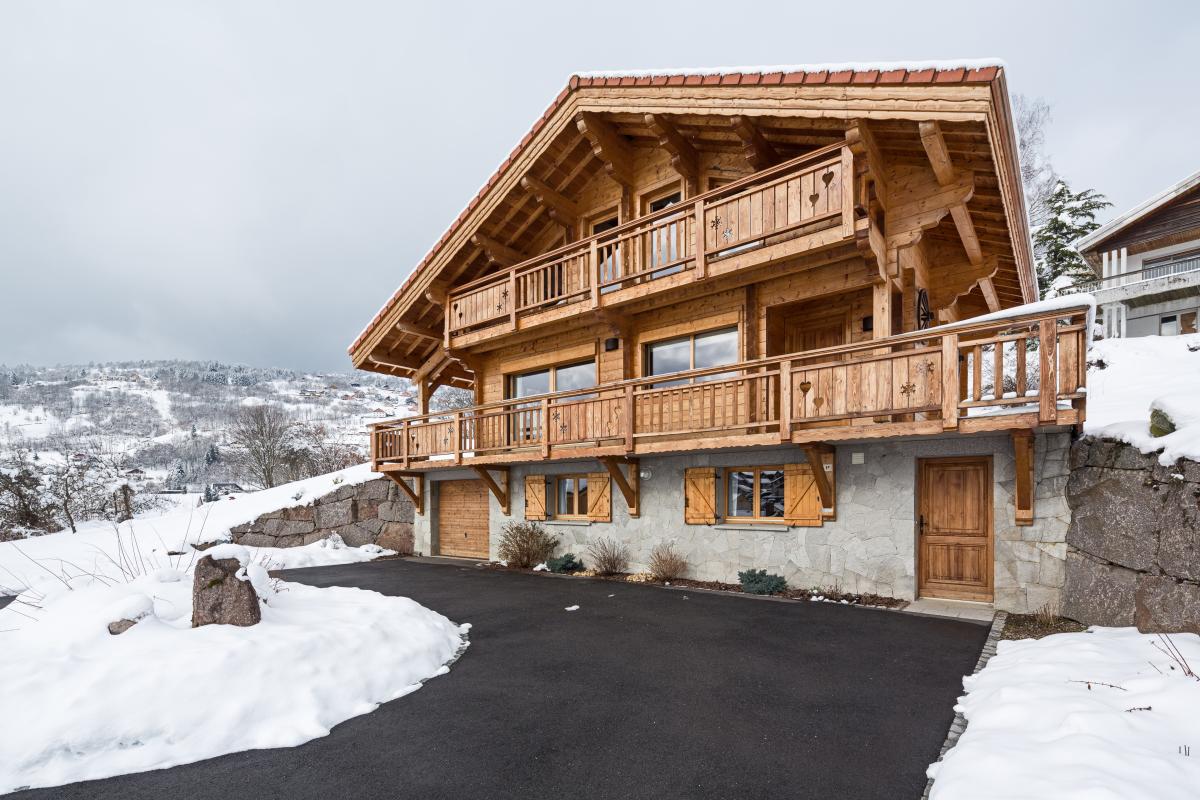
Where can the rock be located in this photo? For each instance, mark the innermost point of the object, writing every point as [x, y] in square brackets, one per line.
[1115, 515]
[1179, 532]
[220, 597]
[120, 626]
[396, 511]
[1160, 423]
[356, 535]
[1165, 605]
[335, 515]
[1097, 593]
[397, 536]
[257, 540]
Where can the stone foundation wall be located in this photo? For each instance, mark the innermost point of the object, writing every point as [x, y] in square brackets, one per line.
[1134, 540]
[374, 512]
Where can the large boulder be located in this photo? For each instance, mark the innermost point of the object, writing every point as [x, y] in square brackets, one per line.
[220, 596]
[1098, 593]
[1165, 605]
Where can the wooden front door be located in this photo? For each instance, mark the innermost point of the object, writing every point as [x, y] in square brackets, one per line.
[954, 528]
[463, 519]
[815, 334]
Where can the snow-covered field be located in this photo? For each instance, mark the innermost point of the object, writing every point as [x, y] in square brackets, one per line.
[1100, 715]
[1158, 371]
[80, 703]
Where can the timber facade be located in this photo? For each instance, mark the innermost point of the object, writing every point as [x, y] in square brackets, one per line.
[739, 295]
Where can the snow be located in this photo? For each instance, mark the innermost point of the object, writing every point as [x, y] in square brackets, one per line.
[837, 66]
[81, 704]
[1047, 306]
[1101, 715]
[572, 608]
[1140, 373]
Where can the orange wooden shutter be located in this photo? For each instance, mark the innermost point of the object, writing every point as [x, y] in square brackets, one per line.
[801, 500]
[599, 492]
[700, 496]
[535, 497]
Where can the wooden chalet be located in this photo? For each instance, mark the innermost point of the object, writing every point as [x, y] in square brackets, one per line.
[741, 284]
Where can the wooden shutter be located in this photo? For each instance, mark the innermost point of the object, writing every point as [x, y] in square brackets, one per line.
[599, 492]
[535, 497]
[801, 500]
[700, 496]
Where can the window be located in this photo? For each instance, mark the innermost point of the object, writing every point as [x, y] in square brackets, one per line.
[1168, 325]
[699, 351]
[609, 254]
[1187, 322]
[663, 246]
[565, 378]
[571, 497]
[754, 493]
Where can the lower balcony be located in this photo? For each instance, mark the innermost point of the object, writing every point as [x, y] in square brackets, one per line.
[994, 374]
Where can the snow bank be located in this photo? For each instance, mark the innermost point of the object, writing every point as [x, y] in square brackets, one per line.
[1041, 723]
[1139, 374]
[80, 703]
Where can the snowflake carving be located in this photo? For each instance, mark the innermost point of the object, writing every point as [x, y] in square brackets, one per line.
[908, 389]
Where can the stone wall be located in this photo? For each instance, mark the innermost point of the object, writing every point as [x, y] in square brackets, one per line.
[1134, 540]
[869, 548]
[374, 512]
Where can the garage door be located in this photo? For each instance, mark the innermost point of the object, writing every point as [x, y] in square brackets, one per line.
[463, 519]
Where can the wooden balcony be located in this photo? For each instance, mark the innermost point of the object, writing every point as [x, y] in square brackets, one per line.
[800, 205]
[920, 383]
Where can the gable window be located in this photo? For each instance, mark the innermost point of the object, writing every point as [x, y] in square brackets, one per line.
[754, 493]
[698, 351]
[571, 497]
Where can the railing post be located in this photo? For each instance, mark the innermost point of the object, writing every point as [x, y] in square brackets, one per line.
[701, 261]
[543, 431]
[512, 298]
[950, 381]
[847, 184]
[785, 401]
[594, 260]
[1048, 379]
[629, 418]
[457, 437]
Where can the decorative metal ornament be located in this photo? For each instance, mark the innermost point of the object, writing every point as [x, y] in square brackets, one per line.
[715, 224]
[924, 314]
[908, 388]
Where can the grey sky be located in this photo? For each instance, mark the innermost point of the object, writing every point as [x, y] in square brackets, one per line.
[249, 181]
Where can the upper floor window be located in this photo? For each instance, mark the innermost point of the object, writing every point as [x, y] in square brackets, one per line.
[563, 378]
[698, 351]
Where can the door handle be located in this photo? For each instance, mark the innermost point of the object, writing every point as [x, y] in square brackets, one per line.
[921, 524]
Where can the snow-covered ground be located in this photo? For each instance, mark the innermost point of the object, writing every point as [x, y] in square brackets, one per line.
[1101, 715]
[1158, 371]
[80, 703]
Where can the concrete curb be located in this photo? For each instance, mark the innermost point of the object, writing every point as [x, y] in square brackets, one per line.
[960, 722]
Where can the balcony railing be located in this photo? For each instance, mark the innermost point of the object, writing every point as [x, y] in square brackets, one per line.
[1020, 372]
[806, 194]
[1179, 266]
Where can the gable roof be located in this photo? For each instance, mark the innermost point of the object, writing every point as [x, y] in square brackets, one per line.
[1137, 213]
[867, 74]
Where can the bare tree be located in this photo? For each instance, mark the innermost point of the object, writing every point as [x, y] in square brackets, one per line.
[449, 398]
[1037, 174]
[262, 437]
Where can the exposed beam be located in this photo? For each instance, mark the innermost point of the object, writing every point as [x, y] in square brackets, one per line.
[815, 454]
[419, 330]
[862, 143]
[497, 252]
[630, 487]
[502, 494]
[436, 293]
[757, 150]
[684, 158]
[561, 208]
[416, 492]
[430, 369]
[1022, 441]
[608, 146]
[390, 365]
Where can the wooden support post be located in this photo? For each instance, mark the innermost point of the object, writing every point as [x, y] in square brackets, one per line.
[457, 437]
[544, 427]
[701, 259]
[1048, 381]
[405, 432]
[597, 277]
[847, 193]
[785, 401]
[630, 487]
[1023, 495]
[881, 315]
[423, 392]
[501, 493]
[512, 299]
[950, 381]
[629, 421]
[816, 460]
[416, 492]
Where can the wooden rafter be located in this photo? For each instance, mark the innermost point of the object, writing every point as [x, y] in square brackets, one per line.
[501, 493]
[939, 158]
[561, 208]
[433, 367]
[419, 330]
[758, 151]
[391, 365]
[863, 144]
[684, 158]
[498, 252]
[630, 487]
[608, 146]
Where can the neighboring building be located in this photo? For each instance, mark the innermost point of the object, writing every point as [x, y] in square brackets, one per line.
[225, 488]
[1148, 260]
[693, 308]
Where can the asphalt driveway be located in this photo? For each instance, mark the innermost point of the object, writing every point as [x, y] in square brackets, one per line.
[642, 692]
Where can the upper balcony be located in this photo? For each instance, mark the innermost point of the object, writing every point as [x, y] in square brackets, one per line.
[800, 205]
[1173, 273]
[1011, 373]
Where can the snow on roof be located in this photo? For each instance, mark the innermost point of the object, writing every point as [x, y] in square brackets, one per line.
[834, 66]
[1137, 212]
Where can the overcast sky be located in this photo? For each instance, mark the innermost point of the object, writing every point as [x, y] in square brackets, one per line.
[249, 181]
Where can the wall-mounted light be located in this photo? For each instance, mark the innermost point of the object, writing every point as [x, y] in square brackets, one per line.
[645, 474]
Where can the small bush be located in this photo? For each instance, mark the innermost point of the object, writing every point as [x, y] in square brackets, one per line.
[757, 581]
[565, 563]
[609, 557]
[523, 544]
[666, 564]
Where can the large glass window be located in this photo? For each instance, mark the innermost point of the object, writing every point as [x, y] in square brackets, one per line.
[553, 379]
[754, 493]
[700, 351]
[570, 495]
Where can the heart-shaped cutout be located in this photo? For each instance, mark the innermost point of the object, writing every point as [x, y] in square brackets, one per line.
[827, 178]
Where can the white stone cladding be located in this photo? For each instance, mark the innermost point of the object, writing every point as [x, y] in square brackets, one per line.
[870, 547]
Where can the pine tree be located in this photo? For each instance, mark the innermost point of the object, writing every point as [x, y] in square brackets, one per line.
[1070, 216]
[180, 477]
[212, 456]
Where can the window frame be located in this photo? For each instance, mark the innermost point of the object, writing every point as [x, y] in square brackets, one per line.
[574, 477]
[1174, 320]
[757, 470]
[690, 338]
[511, 377]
